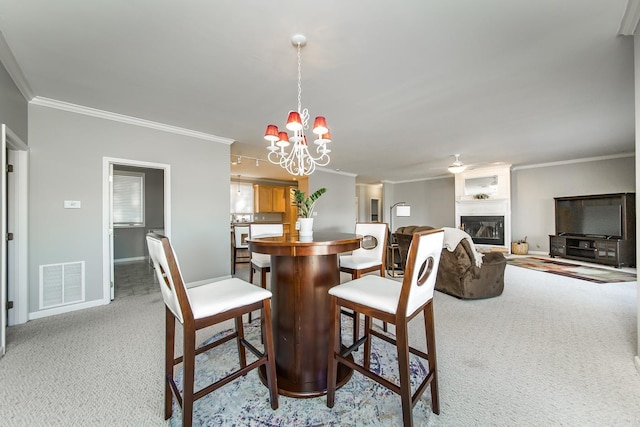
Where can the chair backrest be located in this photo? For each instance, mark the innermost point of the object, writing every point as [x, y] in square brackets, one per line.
[421, 270]
[374, 240]
[167, 270]
[265, 230]
[241, 233]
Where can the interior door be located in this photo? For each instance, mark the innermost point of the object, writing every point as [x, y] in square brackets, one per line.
[111, 267]
[3, 247]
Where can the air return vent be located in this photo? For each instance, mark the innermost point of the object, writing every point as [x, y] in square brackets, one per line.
[61, 284]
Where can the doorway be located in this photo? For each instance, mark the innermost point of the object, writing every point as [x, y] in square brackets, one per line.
[126, 267]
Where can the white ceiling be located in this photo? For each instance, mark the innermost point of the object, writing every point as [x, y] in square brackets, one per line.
[404, 85]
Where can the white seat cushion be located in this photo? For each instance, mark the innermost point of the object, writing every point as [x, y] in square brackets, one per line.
[358, 263]
[261, 260]
[217, 297]
[373, 291]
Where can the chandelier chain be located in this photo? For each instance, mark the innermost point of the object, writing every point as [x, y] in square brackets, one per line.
[299, 81]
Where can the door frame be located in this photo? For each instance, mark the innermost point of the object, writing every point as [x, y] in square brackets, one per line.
[14, 149]
[107, 227]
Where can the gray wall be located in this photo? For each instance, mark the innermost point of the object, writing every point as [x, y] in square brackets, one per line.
[432, 202]
[337, 207]
[532, 192]
[13, 106]
[67, 152]
[129, 242]
[365, 193]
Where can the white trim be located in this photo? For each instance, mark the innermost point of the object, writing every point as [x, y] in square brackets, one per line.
[568, 162]
[66, 309]
[93, 112]
[137, 258]
[10, 63]
[20, 213]
[630, 19]
[106, 257]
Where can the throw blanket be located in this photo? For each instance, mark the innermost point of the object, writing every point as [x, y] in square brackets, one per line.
[453, 236]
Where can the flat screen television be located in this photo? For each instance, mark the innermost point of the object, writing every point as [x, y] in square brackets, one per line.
[596, 221]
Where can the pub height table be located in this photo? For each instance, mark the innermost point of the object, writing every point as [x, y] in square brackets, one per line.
[301, 274]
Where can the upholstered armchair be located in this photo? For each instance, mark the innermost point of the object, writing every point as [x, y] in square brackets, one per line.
[463, 272]
[459, 274]
[403, 237]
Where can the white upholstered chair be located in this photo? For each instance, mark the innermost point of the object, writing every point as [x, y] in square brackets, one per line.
[262, 262]
[370, 257]
[395, 303]
[200, 307]
[240, 235]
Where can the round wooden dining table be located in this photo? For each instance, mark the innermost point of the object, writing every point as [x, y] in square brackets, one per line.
[302, 271]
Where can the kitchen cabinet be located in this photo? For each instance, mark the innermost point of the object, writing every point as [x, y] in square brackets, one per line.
[268, 199]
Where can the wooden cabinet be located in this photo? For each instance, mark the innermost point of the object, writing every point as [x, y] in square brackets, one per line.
[279, 201]
[615, 252]
[596, 228]
[269, 199]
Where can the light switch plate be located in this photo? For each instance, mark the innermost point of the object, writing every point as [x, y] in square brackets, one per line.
[72, 204]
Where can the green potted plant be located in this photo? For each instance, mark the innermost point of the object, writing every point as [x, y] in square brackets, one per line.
[305, 207]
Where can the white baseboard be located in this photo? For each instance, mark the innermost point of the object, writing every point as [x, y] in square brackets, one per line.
[138, 258]
[66, 309]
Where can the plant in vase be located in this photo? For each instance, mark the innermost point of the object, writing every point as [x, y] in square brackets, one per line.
[305, 207]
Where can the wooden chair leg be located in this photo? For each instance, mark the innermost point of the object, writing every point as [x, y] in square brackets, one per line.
[334, 347]
[170, 333]
[242, 353]
[251, 270]
[263, 277]
[382, 274]
[367, 344]
[271, 355]
[402, 342]
[235, 255]
[431, 352]
[188, 367]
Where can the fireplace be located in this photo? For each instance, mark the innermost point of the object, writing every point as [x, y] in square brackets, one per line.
[487, 230]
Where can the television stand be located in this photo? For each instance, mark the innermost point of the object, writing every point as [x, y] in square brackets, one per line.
[601, 250]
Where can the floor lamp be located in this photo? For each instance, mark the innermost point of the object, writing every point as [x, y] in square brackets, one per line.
[402, 210]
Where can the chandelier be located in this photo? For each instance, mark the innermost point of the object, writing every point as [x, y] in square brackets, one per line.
[300, 159]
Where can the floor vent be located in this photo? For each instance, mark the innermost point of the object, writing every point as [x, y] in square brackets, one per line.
[61, 284]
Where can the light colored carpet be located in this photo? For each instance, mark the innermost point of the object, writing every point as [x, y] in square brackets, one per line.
[550, 351]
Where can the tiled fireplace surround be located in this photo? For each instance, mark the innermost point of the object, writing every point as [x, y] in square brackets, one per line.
[496, 183]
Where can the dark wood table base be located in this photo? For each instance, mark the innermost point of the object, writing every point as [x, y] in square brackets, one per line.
[301, 276]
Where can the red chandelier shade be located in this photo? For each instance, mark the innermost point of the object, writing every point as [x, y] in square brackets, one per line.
[271, 134]
[324, 138]
[320, 125]
[294, 122]
[283, 139]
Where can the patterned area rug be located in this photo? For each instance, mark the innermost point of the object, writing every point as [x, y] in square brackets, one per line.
[245, 401]
[582, 272]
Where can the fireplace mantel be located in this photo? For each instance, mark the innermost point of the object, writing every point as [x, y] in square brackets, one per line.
[493, 182]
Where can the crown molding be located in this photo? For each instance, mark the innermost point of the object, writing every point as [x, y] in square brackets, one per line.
[569, 162]
[630, 19]
[12, 67]
[88, 111]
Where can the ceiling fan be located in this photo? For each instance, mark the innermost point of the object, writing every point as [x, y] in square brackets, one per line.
[457, 166]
